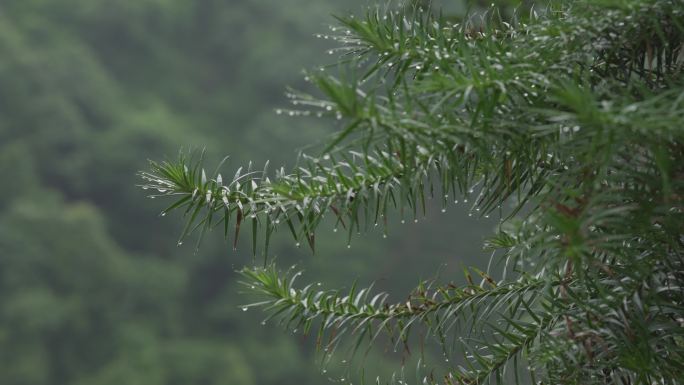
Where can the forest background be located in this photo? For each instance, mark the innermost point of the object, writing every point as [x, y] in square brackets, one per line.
[93, 290]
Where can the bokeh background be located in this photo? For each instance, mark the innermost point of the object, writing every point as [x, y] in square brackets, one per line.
[93, 288]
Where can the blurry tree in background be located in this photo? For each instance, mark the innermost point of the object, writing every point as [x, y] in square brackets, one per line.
[564, 122]
[93, 289]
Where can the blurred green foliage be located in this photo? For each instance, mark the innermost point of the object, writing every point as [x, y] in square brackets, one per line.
[92, 290]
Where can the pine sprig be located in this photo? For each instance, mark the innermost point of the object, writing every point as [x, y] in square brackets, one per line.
[572, 115]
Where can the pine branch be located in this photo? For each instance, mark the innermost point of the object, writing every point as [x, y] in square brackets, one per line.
[573, 114]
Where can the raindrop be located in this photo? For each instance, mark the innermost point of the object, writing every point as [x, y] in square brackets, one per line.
[335, 230]
[349, 246]
[443, 210]
[297, 244]
[244, 308]
[180, 243]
